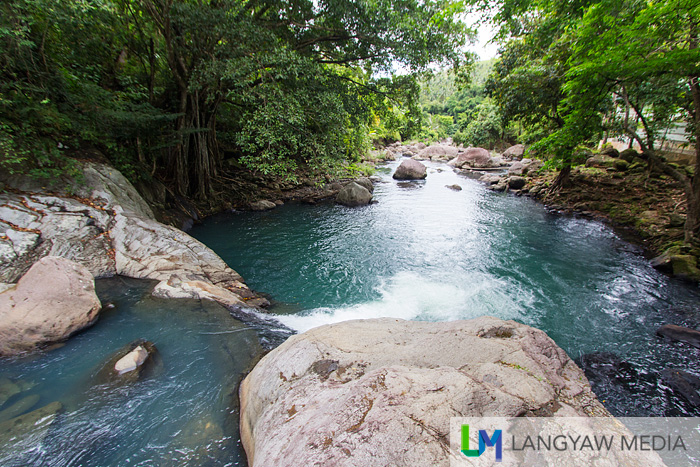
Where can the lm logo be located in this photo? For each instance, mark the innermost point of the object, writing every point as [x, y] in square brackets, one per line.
[484, 440]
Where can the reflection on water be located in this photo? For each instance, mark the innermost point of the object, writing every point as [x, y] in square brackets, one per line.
[432, 253]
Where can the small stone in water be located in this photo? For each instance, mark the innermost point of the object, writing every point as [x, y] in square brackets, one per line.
[131, 361]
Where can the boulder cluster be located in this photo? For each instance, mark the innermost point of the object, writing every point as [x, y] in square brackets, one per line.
[55, 240]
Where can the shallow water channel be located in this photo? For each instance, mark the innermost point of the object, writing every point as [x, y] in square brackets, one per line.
[422, 252]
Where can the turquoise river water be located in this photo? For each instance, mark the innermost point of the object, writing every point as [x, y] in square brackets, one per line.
[421, 252]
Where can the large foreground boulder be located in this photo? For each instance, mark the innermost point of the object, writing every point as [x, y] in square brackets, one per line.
[382, 391]
[353, 194]
[410, 170]
[55, 299]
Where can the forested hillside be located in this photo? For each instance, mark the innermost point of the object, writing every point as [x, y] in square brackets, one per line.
[458, 106]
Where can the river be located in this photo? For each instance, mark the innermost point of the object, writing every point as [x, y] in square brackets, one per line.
[421, 252]
[424, 251]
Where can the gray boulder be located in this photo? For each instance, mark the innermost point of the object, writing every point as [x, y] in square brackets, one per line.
[515, 152]
[110, 230]
[55, 299]
[341, 394]
[410, 170]
[490, 179]
[354, 194]
[263, 205]
[365, 182]
[438, 152]
[472, 157]
[515, 182]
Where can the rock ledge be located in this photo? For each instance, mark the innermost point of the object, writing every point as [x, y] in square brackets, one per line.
[382, 391]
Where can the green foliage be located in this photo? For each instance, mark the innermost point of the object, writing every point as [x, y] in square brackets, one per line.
[484, 129]
[458, 107]
[173, 87]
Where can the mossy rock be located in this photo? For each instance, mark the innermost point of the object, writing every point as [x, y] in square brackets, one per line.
[621, 165]
[686, 267]
[610, 152]
[675, 220]
[601, 161]
[629, 155]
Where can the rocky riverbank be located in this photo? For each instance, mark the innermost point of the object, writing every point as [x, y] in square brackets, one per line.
[102, 224]
[645, 205]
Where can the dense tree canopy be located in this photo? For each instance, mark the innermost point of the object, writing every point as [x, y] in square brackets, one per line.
[572, 71]
[177, 86]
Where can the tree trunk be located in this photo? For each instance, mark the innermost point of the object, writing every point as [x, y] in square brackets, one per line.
[692, 220]
[562, 179]
[194, 160]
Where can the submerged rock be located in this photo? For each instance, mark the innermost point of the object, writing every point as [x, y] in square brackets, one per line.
[410, 170]
[55, 299]
[18, 408]
[35, 424]
[454, 187]
[353, 194]
[8, 389]
[683, 384]
[352, 387]
[681, 334]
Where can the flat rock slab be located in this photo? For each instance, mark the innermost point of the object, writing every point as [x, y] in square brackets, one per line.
[382, 391]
